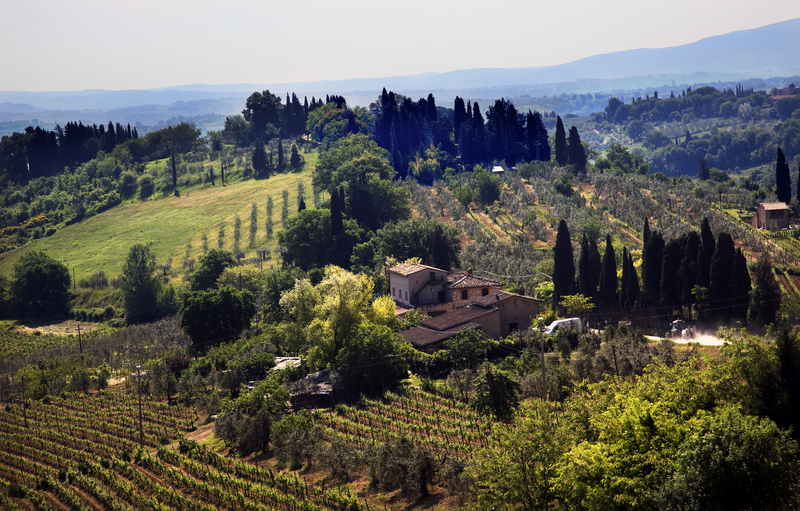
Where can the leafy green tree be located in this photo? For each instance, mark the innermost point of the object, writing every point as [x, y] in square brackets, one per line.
[294, 157]
[496, 393]
[487, 186]
[416, 238]
[468, 349]
[765, 299]
[140, 285]
[308, 240]
[39, 285]
[518, 468]
[373, 357]
[217, 314]
[732, 461]
[619, 160]
[563, 264]
[211, 266]
[261, 111]
[338, 154]
[577, 305]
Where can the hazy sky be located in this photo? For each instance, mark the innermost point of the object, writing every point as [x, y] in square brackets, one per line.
[110, 44]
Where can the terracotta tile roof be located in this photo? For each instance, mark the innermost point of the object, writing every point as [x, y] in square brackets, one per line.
[465, 280]
[408, 268]
[772, 206]
[422, 337]
[492, 298]
[456, 317]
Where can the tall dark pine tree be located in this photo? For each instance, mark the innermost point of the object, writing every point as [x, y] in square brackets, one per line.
[459, 115]
[689, 266]
[259, 156]
[719, 286]
[432, 115]
[671, 285]
[536, 137]
[783, 181]
[652, 260]
[741, 286]
[563, 265]
[595, 267]
[584, 271]
[478, 133]
[765, 300]
[632, 284]
[707, 247]
[607, 294]
[576, 154]
[337, 224]
[623, 283]
[174, 172]
[561, 143]
[280, 153]
[798, 183]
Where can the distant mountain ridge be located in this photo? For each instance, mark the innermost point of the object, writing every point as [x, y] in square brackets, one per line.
[772, 50]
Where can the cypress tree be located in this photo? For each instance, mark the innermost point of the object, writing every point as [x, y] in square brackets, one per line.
[783, 181]
[478, 132]
[584, 278]
[459, 115]
[798, 183]
[705, 254]
[607, 294]
[259, 156]
[294, 157]
[576, 155]
[766, 296]
[280, 153]
[741, 286]
[563, 265]
[689, 266]
[561, 143]
[623, 283]
[595, 267]
[174, 173]
[269, 218]
[632, 294]
[719, 286]
[302, 205]
[337, 224]
[431, 113]
[671, 285]
[652, 261]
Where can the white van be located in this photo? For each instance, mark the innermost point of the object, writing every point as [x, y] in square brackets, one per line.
[569, 325]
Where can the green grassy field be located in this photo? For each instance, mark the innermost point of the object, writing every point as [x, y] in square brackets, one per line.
[170, 224]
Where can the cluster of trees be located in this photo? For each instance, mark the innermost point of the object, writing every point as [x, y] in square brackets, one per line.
[37, 152]
[265, 118]
[40, 198]
[693, 272]
[365, 209]
[39, 286]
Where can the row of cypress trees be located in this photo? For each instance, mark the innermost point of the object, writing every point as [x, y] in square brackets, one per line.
[693, 270]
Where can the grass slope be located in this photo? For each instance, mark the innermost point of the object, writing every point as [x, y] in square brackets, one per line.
[170, 224]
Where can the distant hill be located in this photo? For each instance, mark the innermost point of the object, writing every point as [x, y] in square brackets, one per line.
[772, 50]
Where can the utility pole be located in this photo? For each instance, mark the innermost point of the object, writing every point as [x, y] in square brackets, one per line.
[24, 412]
[139, 388]
[541, 348]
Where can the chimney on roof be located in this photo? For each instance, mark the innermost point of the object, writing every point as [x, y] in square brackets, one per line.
[469, 271]
[497, 295]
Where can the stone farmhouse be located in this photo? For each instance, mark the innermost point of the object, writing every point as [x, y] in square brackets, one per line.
[456, 301]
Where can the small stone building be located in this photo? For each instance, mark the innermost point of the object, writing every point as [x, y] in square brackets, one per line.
[772, 216]
[496, 314]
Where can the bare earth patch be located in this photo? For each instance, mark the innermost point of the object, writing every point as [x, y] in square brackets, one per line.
[68, 327]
